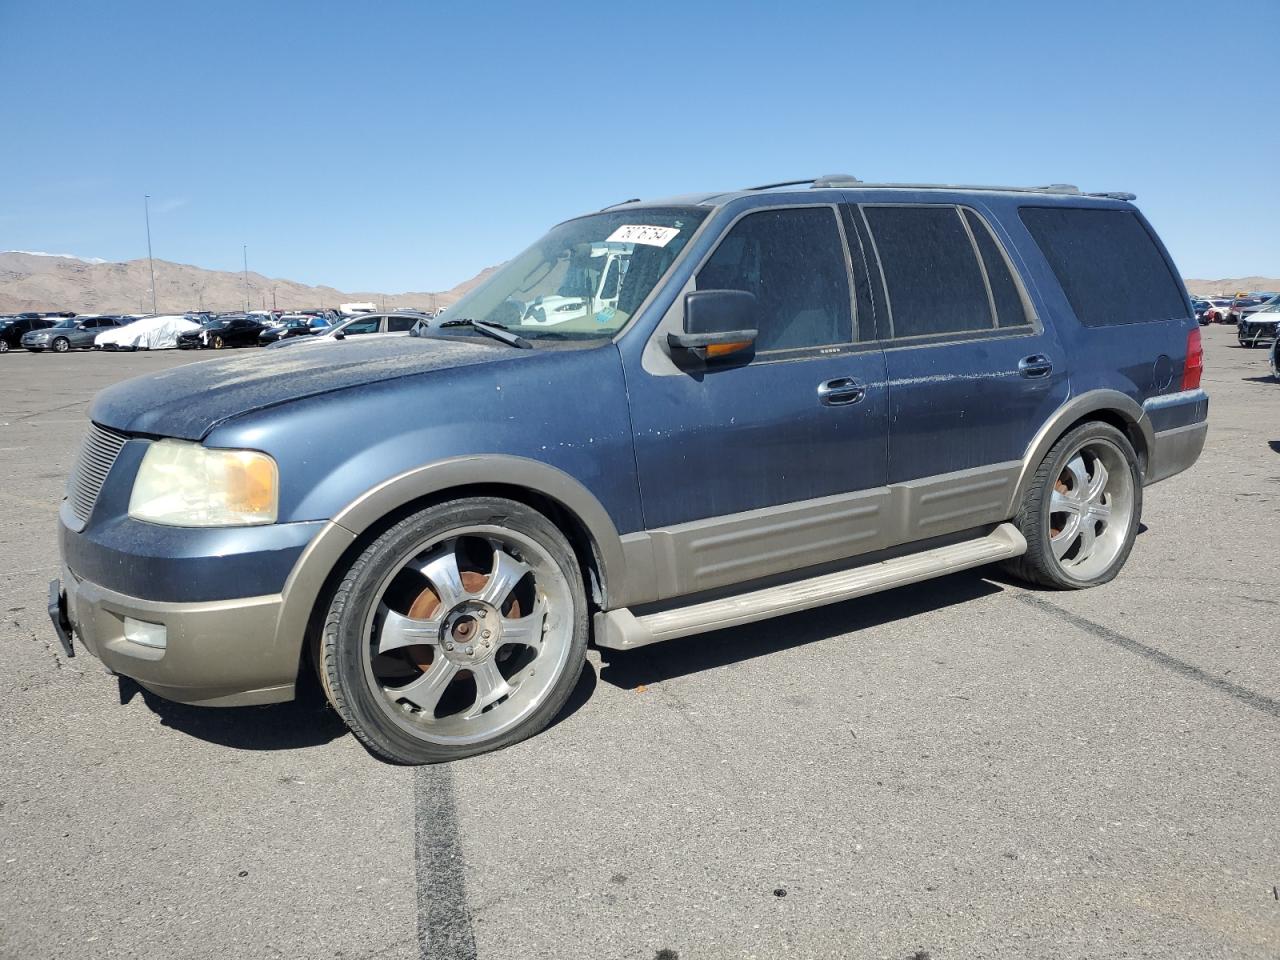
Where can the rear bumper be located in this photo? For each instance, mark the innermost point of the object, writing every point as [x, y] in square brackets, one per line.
[1180, 425]
[217, 653]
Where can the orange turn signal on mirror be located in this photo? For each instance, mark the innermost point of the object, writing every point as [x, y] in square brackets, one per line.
[724, 349]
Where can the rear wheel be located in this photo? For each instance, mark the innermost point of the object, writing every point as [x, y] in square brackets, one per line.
[1080, 515]
[462, 629]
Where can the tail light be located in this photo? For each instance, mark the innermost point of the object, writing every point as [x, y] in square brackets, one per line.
[1195, 361]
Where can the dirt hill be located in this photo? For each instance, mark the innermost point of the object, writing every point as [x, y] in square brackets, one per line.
[1205, 288]
[31, 281]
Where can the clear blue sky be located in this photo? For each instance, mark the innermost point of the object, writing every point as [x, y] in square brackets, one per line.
[403, 146]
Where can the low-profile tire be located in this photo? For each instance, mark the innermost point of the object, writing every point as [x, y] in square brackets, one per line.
[1081, 511]
[461, 629]
[61, 345]
[217, 342]
[4, 346]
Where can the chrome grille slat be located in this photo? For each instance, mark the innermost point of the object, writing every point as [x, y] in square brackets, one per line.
[97, 456]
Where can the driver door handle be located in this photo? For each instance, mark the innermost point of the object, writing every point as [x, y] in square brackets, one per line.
[840, 392]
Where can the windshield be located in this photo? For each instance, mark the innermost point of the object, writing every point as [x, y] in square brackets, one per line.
[585, 278]
[65, 322]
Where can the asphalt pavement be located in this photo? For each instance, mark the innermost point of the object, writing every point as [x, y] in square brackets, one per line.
[963, 768]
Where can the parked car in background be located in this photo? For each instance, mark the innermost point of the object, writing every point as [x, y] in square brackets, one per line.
[1264, 304]
[228, 330]
[72, 333]
[439, 524]
[361, 325]
[1257, 324]
[289, 326]
[1218, 311]
[13, 328]
[1241, 303]
[147, 333]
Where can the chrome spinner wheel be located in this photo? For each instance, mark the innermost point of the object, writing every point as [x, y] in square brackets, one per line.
[469, 634]
[1091, 509]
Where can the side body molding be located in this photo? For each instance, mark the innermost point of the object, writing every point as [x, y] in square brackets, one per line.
[1074, 409]
[303, 587]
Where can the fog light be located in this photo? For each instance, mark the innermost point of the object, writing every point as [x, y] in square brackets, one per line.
[147, 634]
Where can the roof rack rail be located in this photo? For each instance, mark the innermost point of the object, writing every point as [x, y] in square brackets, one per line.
[847, 180]
[1114, 195]
[829, 180]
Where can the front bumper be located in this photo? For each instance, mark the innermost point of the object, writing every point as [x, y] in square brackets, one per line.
[1253, 332]
[217, 653]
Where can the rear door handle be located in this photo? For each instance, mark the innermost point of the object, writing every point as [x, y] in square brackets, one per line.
[840, 392]
[1035, 366]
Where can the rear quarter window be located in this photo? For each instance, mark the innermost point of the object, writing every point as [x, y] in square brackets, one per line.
[931, 270]
[1107, 263]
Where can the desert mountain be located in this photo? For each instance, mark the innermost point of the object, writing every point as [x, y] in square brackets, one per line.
[33, 281]
[1207, 288]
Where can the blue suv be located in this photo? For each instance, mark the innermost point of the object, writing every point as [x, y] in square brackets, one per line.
[662, 418]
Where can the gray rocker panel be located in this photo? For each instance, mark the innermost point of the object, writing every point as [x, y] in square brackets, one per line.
[705, 554]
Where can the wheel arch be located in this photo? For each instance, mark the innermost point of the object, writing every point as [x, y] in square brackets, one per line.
[558, 496]
[1106, 406]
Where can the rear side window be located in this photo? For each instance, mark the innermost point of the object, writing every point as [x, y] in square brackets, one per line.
[1107, 263]
[1011, 310]
[793, 261]
[400, 324]
[931, 271]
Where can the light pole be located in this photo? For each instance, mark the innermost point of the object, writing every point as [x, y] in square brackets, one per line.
[245, 251]
[146, 209]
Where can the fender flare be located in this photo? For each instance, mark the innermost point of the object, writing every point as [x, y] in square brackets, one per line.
[1077, 408]
[310, 573]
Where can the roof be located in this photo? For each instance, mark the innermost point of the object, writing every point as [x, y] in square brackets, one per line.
[847, 181]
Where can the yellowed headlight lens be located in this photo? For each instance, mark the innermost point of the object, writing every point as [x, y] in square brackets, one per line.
[187, 485]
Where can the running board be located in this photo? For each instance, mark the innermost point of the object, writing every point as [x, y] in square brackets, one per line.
[623, 630]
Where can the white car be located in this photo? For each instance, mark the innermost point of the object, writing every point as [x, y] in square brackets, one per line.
[149, 333]
[362, 325]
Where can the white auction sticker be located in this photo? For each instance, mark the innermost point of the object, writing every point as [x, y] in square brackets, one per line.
[642, 233]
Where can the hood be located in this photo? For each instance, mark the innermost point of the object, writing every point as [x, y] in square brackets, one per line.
[190, 400]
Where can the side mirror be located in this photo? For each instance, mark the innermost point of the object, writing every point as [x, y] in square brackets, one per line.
[717, 323]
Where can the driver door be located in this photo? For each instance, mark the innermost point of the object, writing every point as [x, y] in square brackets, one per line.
[776, 462]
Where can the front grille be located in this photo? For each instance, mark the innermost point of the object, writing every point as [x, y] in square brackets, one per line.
[97, 454]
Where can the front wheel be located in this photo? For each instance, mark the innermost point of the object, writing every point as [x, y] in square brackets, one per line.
[1080, 514]
[61, 345]
[460, 630]
[217, 342]
[4, 346]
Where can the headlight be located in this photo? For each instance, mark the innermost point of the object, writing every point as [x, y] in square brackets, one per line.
[186, 485]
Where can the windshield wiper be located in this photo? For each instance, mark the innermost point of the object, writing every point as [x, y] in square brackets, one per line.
[495, 331]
